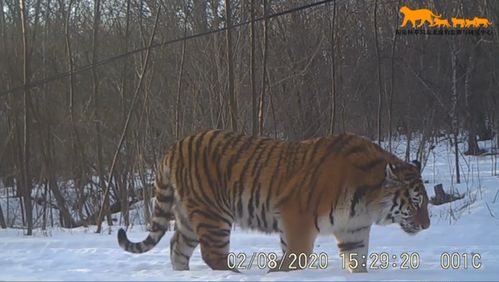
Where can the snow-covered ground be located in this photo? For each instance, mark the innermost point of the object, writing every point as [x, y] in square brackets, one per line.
[466, 231]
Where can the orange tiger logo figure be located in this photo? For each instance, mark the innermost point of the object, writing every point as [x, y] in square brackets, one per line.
[337, 185]
[481, 22]
[458, 22]
[470, 23]
[440, 23]
[413, 16]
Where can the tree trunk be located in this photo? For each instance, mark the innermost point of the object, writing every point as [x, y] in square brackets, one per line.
[76, 148]
[2, 25]
[46, 143]
[230, 67]
[104, 206]
[473, 148]
[407, 157]
[380, 85]
[124, 75]
[254, 113]
[264, 69]
[96, 106]
[178, 104]
[2, 219]
[199, 16]
[27, 120]
[4, 53]
[453, 112]
[392, 79]
[95, 87]
[333, 78]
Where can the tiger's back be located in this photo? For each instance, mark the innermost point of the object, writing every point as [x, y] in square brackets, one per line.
[233, 174]
[214, 179]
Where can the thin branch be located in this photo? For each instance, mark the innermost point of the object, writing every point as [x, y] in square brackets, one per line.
[127, 123]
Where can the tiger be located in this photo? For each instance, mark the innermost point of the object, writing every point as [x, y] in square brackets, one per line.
[458, 22]
[339, 185]
[470, 23]
[481, 22]
[440, 23]
[422, 15]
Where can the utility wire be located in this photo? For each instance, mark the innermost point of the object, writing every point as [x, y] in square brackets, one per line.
[123, 55]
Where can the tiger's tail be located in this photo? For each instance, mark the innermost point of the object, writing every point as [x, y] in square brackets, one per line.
[162, 211]
[436, 16]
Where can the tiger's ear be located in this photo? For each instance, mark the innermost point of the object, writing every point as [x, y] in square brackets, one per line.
[390, 172]
[417, 164]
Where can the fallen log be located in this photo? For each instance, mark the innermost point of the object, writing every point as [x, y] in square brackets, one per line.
[114, 208]
[441, 197]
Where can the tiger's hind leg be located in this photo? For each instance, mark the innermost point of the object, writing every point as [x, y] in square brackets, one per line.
[183, 241]
[181, 248]
[213, 231]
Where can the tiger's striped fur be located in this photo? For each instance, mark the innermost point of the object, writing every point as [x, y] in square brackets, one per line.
[337, 185]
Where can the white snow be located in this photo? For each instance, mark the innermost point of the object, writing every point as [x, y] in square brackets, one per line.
[469, 226]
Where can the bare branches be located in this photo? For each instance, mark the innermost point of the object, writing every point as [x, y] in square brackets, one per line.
[127, 123]
[101, 111]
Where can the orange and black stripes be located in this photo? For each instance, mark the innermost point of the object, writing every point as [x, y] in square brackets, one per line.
[214, 179]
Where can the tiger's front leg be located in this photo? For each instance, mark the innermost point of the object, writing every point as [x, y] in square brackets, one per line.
[354, 246]
[297, 238]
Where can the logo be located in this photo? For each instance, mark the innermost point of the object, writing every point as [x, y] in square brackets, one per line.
[425, 21]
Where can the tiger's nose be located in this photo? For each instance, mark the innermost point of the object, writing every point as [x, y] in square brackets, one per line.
[425, 225]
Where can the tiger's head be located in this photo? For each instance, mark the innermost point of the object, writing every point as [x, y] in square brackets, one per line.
[404, 10]
[405, 198]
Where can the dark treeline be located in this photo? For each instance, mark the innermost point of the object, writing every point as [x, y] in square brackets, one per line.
[332, 68]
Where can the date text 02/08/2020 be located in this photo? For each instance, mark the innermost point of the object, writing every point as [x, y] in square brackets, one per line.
[382, 260]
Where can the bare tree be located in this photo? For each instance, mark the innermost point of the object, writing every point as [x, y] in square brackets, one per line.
[3, 225]
[104, 206]
[27, 119]
[264, 69]
[332, 20]
[392, 79]
[2, 23]
[454, 106]
[473, 148]
[230, 67]
[254, 113]
[123, 91]
[96, 103]
[378, 63]
[178, 105]
[291, 75]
